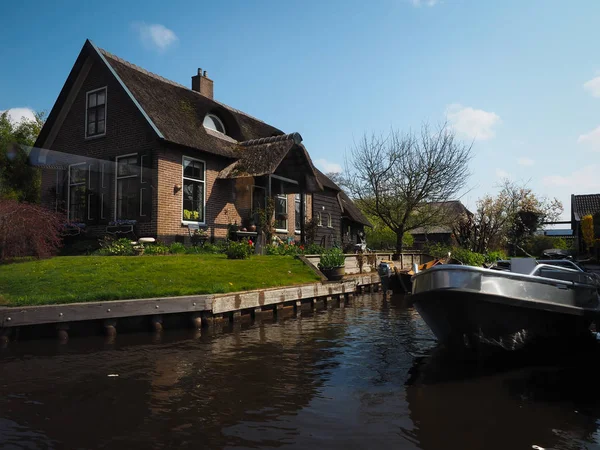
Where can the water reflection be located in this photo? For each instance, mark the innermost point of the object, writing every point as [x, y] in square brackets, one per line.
[365, 376]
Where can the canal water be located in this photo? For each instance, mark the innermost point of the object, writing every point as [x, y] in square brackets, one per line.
[369, 375]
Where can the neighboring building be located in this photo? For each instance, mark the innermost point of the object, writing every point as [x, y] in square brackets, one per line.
[582, 205]
[339, 221]
[122, 143]
[441, 233]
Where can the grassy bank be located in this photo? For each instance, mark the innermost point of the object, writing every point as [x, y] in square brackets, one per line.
[91, 278]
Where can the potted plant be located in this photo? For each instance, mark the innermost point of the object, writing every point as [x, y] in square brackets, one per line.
[332, 264]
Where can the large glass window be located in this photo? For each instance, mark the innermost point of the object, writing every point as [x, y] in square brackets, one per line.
[193, 190]
[77, 192]
[127, 187]
[281, 217]
[298, 215]
[95, 115]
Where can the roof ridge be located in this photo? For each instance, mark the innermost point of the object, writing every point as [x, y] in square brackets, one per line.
[296, 137]
[173, 83]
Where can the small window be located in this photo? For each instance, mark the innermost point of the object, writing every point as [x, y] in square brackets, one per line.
[95, 114]
[319, 220]
[329, 223]
[281, 219]
[212, 122]
[193, 190]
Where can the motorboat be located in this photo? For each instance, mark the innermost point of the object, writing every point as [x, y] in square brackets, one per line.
[509, 305]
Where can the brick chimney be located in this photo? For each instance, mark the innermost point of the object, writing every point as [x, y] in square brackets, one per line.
[202, 84]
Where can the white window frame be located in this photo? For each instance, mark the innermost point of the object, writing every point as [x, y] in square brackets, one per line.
[192, 222]
[329, 221]
[287, 221]
[69, 188]
[216, 118]
[102, 184]
[117, 178]
[87, 95]
[102, 207]
[319, 219]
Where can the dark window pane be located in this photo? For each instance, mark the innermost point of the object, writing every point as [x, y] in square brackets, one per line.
[100, 126]
[101, 97]
[128, 166]
[127, 198]
[100, 112]
[91, 129]
[193, 200]
[78, 174]
[91, 115]
[297, 214]
[91, 100]
[77, 207]
[193, 169]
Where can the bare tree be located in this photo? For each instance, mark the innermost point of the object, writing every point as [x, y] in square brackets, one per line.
[337, 177]
[404, 178]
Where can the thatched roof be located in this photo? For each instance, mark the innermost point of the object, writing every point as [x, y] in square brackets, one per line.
[350, 210]
[175, 112]
[178, 112]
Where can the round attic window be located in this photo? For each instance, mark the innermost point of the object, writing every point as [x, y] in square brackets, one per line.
[212, 122]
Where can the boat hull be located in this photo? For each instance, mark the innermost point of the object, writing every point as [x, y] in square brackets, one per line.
[470, 306]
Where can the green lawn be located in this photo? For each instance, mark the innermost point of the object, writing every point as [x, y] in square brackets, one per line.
[71, 279]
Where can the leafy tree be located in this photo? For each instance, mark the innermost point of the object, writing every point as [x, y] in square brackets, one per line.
[587, 229]
[18, 179]
[507, 219]
[403, 178]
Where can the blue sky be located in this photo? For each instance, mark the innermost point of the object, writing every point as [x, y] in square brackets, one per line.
[521, 79]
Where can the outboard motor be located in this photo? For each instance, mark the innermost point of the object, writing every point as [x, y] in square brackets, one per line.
[385, 272]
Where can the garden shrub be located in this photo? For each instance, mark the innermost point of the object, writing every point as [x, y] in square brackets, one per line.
[28, 230]
[334, 257]
[239, 249]
[155, 249]
[119, 247]
[467, 257]
[493, 256]
[177, 248]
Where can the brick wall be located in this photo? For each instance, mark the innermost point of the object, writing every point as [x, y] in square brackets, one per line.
[221, 208]
[126, 132]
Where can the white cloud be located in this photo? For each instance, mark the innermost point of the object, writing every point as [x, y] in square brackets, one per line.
[472, 123]
[525, 161]
[419, 3]
[593, 86]
[591, 139]
[16, 115]
[582, 180]
[502, 174]
[328, 166]
[155, 36]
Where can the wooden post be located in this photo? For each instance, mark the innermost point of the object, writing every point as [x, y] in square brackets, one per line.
[302, 218]
[207, 319]
[110, 327]
[157, 323]
[62, 330]
[236, 316]
[197, 321]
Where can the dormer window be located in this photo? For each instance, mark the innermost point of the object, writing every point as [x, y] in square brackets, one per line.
[212, 122]
[95, 113]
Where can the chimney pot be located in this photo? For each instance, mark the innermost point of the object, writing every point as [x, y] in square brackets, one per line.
[202, 84]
